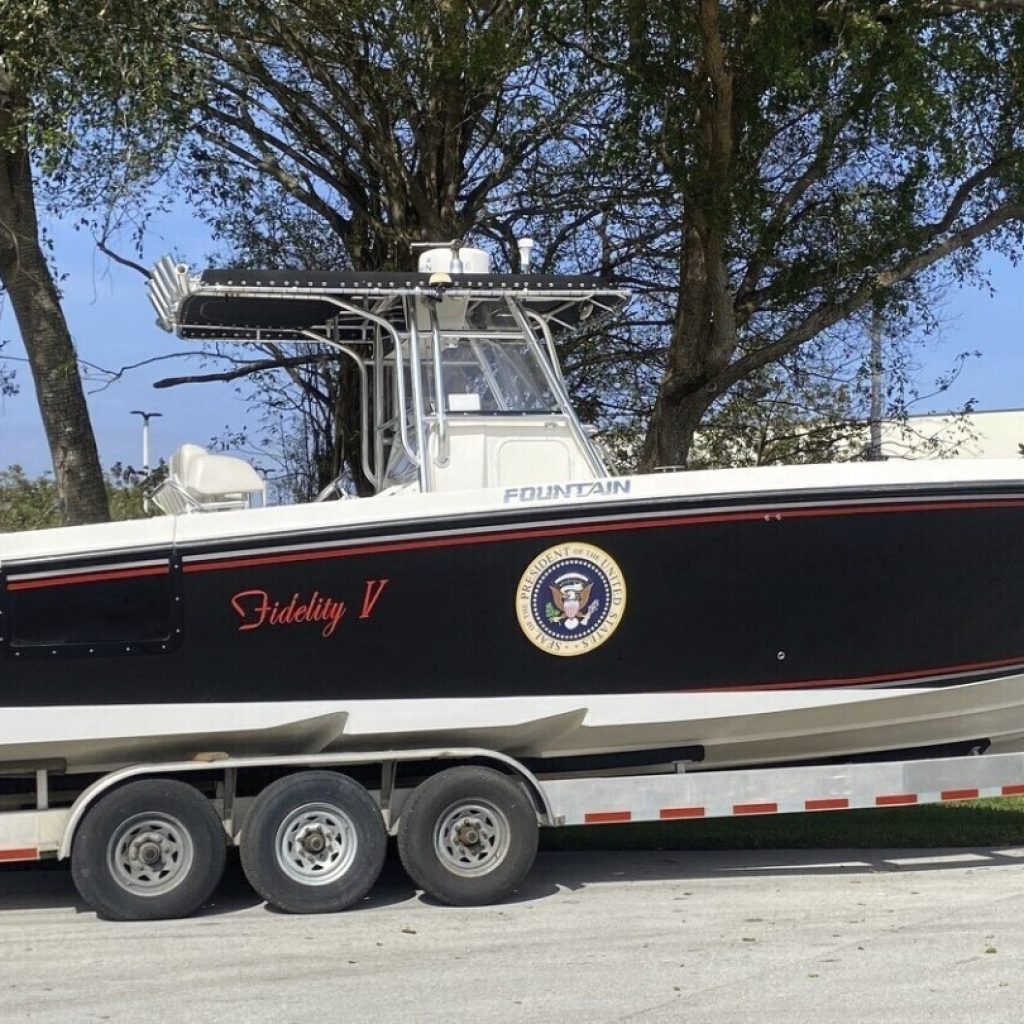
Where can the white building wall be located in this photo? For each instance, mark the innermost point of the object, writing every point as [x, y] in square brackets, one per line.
[980, 435]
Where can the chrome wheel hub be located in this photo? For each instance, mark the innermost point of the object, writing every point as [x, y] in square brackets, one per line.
[315, 844]
[471, 838]
[150, 854]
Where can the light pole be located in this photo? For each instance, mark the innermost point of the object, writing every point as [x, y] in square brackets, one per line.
[875, 415]
[146, 417]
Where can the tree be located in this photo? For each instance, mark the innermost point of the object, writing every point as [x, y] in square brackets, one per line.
[73, 77]
[816, 157]
[771, 168]
[390, 125]
[760, 170]
[28, 503]
[335, 136]
[8, 378]
[814, 406]
[26, 278]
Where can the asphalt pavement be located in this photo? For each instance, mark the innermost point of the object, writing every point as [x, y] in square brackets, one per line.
[765, 936]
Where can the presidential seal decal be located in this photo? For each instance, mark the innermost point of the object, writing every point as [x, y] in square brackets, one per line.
[571, 599]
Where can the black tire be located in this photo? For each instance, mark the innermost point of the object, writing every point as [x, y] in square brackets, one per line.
[294, 815]
[150, 850]
[468, 836]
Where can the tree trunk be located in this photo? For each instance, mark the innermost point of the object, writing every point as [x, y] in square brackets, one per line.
[670, 432]
[704, 331]
[51, 353]
[703, 343]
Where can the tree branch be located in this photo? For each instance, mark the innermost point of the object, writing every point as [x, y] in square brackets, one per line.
[123, 260]
[247, 370]
[828, 314]
[891, 11]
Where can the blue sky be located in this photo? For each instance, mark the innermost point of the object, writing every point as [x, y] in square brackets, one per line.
[114, 325]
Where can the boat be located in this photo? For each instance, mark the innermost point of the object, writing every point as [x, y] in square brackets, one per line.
[501, 588]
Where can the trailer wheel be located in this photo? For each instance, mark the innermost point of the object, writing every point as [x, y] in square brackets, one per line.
[468, 836]
[313, 843]
[150, 850]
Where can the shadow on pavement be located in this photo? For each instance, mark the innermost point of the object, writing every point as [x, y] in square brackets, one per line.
[573, 871]
[578, 869]
[48, 885]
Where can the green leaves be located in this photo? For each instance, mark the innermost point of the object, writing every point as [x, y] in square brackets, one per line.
[758, 170]
[33, 503]
[25, 503]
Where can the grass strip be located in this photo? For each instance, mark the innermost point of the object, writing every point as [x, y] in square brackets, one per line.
[968, 823]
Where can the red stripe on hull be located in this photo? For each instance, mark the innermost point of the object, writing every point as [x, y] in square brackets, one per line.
[596, 527]
[588, 528]
[692, 520]
[891, 677]
[87, 577]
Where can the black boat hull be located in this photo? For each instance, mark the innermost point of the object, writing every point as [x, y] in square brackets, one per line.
[761, 627]
[897, 593]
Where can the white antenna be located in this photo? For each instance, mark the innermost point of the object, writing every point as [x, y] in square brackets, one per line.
[525, 252]
[455, 267]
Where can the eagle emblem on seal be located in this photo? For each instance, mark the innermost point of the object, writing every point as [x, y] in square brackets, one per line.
[570, 601]
[570, 598]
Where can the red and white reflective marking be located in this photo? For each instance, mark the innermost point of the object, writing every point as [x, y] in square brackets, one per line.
[616, 815]
[15, 854]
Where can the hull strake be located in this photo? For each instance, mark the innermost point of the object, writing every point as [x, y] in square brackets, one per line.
[732, 729]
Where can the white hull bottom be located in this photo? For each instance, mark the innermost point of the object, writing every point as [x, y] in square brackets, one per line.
[735, 729]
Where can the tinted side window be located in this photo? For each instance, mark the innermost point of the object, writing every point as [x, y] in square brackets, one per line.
[136, 609]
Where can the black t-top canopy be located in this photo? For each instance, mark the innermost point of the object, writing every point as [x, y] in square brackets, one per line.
[285, 303]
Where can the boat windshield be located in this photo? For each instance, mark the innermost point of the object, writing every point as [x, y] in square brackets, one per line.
[493, 377]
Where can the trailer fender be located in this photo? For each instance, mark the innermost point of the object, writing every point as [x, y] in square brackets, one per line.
[205, 763]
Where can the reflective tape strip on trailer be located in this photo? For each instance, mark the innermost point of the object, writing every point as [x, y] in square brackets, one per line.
[30, 835]
[15, 854]
[602, 801]
[824, 804]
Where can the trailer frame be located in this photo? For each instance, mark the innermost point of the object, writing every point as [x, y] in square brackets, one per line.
[44, 831]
